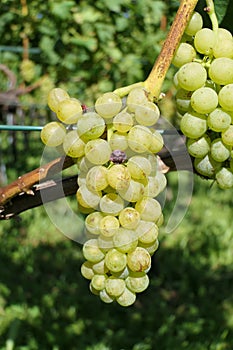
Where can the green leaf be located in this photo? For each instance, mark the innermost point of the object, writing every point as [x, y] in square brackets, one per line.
[227, 19]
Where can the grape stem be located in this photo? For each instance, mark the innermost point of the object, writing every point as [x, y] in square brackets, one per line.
[156, 77]
[211, 12]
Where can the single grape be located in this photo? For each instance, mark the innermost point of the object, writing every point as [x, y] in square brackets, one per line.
[93, 290]
[204, 100]
[139, 138]
[105, 243]
[118, 177]
[150, 248]
[136, 97]
[219, 151]
[114, 286]
[221, 71]
[149, 209]
[204, 41]
[92, 222]
[133, 192]
[195, 24]
[184, 54]
[108, 105]
[83, 164]
[115, 260]
[92, 252]
[139, 167]
[223, 48]
[206, 166]
[223, 34]
[98, 282]
[147, 232]
[100, 268]
[218, 120]
[183, 100]
[98, 151]
[200, 147]
[225, 96]
[105, 297]
[73, 146]
[127, 298]
[123, 122]
[118, 141]
[87, 198]
[155, 185]
[137, 282]
[193, 124]
[86, 270]
[69, 110]
[96, 178]
[224, 178]
[111, 204]
[55, 96]
[192, 76]
[53, 134]
[129, 218]
[227, 136]
[109, 225]
[124, 240]
[139, 260]
[147, 114]
[90, 126]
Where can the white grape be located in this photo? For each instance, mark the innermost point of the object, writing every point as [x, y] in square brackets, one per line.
[98, 151]
[191, 76]
[53, 134]
[108, 105]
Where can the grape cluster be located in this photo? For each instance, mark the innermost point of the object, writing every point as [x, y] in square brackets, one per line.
[204, 99]
[119, 178]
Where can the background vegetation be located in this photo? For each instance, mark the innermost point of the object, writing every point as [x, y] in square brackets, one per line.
[89, 48]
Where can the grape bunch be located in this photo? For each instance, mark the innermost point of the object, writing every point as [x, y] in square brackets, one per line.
[115, 146]
[204, 98]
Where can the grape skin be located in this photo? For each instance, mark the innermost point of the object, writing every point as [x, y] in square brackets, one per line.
[192, 76]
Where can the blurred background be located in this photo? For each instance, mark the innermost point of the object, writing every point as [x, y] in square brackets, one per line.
[89, 48]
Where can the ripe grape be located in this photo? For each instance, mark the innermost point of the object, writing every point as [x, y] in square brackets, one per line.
[147, 232]
[108, 105]
[98, 151]
[124, 240]
[92, 222]
[227, 136]
[133, 192]
[69, 110]
[193, 124]
[92, 252]
[53, 134]
[135, 98]
[129, 218]
[225, 96]
[86, 270]
[192, 76]
[111, 204]
[206, 166]
[218, 120]
[55, 96]
[127, 298]
[87, 198]
[118, 177]
[123, 122]
[137, 282]
[219, 151]
[90, 126]
[109, 225]
[184, 54]
[96, 178]
[73, 145]
[98, 282]
[118, 141]
[139, 138]
[224, 178]
[200, 147]
[139, 167]
[204, 41]
[221, 71]
[149, 209]
[147, 114]
[204, 100]
[139, 260]
[115, 260]
[195, 24]
[114, 286]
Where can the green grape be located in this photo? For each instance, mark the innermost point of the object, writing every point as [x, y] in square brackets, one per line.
[223, 48]
[200, 147]
[147, 232]
[204, 41]
[86, 270]
[139, 260]
[87, 198]
[127, 298]
[92, 222]
[105, 297]
[184, 54]
[147, 114]
[124, 240]
[118, 141]
[155, 185]
[224, 178]
[227, 136]
[83, 164]
[108, 105]
[218, 120]
[53, 134]
[69, 110]
[118, 177]
[136, 97]
[73, 146]
[81, 179]
[206, 166]
[111, 204]
[195, 24]
[221, 71]
[93, 290]
[139, 138]
[96, 178]
[223, 34]
[55, 96]
[133, 192]
[98, 151]
[92, 252]
[156, 142]
[90, 126]
[99, 268]
[105, 243]
[114, 286]
[137, 282]
[149, 209]
[204, 100]
[129, 218]
[123, 122]
[192, 76]
[193, 124]
[219, 151]
[115, 260]
[98, 282]
[109, 225]
[183, 99]
[139, 167]
[150, 248]
[225, 96]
